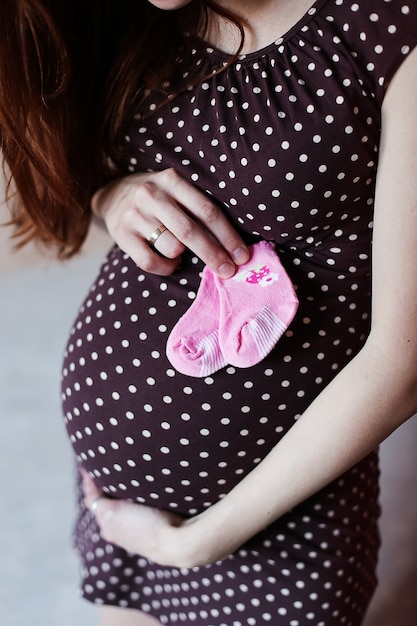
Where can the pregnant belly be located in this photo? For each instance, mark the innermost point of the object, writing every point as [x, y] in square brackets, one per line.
[145, 431]
[152, 434]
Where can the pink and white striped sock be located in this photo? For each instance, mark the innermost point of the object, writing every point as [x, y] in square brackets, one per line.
[256, 307]
[193, 344]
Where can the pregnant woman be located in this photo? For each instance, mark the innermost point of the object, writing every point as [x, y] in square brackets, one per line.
[228, 461]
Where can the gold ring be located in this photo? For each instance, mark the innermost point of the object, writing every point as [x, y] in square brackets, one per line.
[156, 234]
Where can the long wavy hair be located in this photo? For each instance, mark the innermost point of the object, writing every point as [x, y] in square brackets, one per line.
[71, 73]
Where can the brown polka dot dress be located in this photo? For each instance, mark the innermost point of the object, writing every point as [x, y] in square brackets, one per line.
[286, 141]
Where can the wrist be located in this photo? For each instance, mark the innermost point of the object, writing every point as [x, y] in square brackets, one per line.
[181, 545]
[202, 540]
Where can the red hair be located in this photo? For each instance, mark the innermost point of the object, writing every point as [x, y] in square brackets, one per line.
[70, 74]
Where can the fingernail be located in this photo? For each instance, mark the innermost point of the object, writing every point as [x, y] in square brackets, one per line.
[226, 270]
[241, 255]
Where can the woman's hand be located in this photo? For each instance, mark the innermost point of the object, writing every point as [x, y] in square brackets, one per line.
[161, 536]
[137, 528]
[135, 206]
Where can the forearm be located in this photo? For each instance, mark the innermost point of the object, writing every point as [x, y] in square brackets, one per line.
[369, 399]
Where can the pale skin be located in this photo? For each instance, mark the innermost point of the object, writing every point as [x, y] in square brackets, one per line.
[378, 387]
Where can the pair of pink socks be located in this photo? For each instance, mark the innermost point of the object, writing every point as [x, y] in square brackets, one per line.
[236, 321]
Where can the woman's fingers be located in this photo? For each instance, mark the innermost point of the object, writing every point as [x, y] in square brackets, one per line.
[198, 223]
[146, 257]
[137, 528]
[163, 213]
[121, 205]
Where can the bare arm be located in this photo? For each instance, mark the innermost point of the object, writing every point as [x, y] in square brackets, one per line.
[368, 399]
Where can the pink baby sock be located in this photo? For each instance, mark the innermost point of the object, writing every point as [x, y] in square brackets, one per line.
[256, 307]
[193, 344]
[236, 321]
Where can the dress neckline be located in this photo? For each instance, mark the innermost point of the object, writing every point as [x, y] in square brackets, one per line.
[291, 32]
